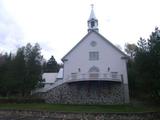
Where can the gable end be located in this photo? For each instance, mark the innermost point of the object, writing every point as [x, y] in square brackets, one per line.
[124, 55]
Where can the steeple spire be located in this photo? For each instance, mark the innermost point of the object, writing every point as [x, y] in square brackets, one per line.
[92, 21]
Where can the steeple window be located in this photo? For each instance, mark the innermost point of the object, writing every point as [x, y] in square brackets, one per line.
[92, 24]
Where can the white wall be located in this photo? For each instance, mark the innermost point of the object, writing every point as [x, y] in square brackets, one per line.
[108, 57]
[49, 77]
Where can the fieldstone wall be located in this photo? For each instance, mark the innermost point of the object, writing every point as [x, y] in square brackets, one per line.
[91, 92]
[45, 115]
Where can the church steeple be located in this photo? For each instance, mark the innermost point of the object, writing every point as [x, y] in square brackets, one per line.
[92, 21]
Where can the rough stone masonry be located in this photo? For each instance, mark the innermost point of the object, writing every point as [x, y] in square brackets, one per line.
[89, 92]
[45, 115]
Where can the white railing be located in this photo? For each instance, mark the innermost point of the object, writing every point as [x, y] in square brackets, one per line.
[94, 77]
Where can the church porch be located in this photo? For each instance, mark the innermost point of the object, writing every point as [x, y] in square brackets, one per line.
[113, 76]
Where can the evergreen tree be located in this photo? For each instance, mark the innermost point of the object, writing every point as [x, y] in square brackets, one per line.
[147, 64]
[52, 65]
[20, 70]
[22, 73]
[142, 45]
[154, 59]
[2, 72]
[8, 81]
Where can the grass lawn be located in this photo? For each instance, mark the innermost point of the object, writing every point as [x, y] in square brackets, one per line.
[81, 108]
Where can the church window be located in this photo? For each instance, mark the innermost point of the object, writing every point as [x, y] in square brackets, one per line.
[94, 55]
[93, 43]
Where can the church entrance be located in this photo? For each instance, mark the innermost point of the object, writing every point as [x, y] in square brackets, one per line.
[94, 72]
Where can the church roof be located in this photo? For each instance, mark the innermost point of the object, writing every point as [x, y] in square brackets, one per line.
[103, 38]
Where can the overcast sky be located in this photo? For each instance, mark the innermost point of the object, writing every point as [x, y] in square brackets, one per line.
[57, 25]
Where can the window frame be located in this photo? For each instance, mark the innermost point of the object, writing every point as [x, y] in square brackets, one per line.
[93, 55]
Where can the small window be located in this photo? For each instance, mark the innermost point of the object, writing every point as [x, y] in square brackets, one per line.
[94, 55]
[93, 43]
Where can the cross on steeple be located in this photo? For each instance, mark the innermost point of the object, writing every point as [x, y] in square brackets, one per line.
[92, 5]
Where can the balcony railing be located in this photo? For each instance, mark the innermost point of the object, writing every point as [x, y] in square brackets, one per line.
[75, 77]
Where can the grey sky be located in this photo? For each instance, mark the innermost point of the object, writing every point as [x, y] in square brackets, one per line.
[57, 25]
[10, 34]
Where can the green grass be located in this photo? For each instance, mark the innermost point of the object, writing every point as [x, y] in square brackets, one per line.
[80, 108]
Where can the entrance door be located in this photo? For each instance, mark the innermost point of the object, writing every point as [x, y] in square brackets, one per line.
[94, 72]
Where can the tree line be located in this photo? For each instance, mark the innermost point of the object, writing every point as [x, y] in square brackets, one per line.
[144, 67]
[21, 73]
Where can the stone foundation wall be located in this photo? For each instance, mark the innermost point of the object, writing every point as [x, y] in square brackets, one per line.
[44, 115]
[93, 92]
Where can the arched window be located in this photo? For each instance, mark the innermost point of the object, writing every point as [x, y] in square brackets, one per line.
[94, 69]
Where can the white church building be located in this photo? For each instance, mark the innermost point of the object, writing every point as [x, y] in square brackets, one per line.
[94, 72]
